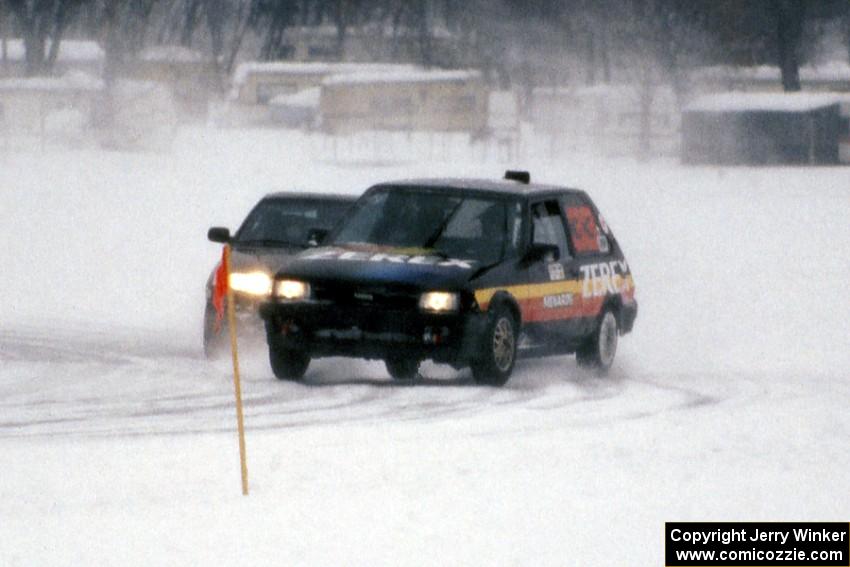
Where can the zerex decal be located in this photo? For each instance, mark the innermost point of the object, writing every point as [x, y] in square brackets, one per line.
[604, 278]
[583, 229]
[357, 256]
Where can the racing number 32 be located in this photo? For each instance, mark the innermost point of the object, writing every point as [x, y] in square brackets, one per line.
[583, 229]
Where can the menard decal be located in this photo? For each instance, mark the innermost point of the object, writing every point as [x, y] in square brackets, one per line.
[560, 300]
[416, 259]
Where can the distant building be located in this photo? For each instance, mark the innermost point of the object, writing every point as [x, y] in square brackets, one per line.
[409, 100]
[257, 83]
[767, 128]
[278, 93]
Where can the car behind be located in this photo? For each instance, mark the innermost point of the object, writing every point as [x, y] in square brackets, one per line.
[279, 226]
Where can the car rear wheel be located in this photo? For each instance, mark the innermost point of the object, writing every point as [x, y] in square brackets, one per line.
[598, 352]
[402, 368]
[288, 364]
[496, 364]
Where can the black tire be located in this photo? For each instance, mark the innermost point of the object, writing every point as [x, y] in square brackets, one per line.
[598, 352]
[499, 348]
[288, 364]
[214, 342]
[402, 368]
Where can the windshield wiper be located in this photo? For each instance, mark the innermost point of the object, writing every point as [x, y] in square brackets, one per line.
[437, 233]
[265, 242]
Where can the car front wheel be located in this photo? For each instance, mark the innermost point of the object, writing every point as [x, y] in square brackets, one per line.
[288, 364]
[598, 352]
[496, 363]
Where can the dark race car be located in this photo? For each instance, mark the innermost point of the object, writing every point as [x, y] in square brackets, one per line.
[463, 272]
[278, 227]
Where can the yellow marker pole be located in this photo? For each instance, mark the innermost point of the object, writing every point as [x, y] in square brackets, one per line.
[231, 324]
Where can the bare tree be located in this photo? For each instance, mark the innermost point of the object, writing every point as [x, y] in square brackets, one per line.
[227, 24]
[845, 27]
[789, 30]
[40, 21]
[270, 19]
[658, 42]
[191, 18]
[4, 44]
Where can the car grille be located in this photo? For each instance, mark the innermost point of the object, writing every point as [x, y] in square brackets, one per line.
[365, 297]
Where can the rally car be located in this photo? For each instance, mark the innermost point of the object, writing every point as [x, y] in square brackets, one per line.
[465, 272]
[278, 227]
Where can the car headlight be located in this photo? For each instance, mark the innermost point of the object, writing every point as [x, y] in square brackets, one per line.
[439, 301]
[252, 283]
[291, 290]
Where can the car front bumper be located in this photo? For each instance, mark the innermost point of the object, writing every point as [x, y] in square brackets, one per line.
[329, 329]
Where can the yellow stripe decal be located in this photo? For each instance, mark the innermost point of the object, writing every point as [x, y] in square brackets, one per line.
[534, 291]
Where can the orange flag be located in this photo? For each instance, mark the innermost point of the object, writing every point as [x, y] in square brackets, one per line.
[220, 289]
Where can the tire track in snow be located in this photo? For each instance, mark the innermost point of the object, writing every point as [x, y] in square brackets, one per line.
[114, 383]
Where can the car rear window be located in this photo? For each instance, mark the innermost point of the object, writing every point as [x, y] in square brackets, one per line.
[585, 234]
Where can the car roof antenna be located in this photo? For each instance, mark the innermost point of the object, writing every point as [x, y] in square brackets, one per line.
[519, 176]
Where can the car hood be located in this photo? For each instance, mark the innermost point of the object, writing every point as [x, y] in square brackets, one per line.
[380, 265]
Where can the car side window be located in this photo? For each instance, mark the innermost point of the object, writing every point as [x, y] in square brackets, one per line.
[515, 226]
[548, 227]
[585, 234]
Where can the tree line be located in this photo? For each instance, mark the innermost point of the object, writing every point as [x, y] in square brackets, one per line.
[515, 42]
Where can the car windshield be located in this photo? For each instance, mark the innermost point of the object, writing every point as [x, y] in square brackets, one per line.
[287, 222]
[447, 225]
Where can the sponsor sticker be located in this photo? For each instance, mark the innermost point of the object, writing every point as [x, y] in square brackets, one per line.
[556, 301]
[603, 278]
[359, 256]
[556, 271]
[583, 229]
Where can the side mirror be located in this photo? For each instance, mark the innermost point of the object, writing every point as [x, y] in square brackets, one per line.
[316, 235]
[219, 234]
[537, 252]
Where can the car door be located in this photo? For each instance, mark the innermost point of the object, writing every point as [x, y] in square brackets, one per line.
[553, 284]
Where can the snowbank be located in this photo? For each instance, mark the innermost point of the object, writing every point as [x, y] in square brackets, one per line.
[401, 76]
[243, 70]
[70, 51]
[72, 81]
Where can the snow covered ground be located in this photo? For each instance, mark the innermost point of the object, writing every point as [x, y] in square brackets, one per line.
[728, 402]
